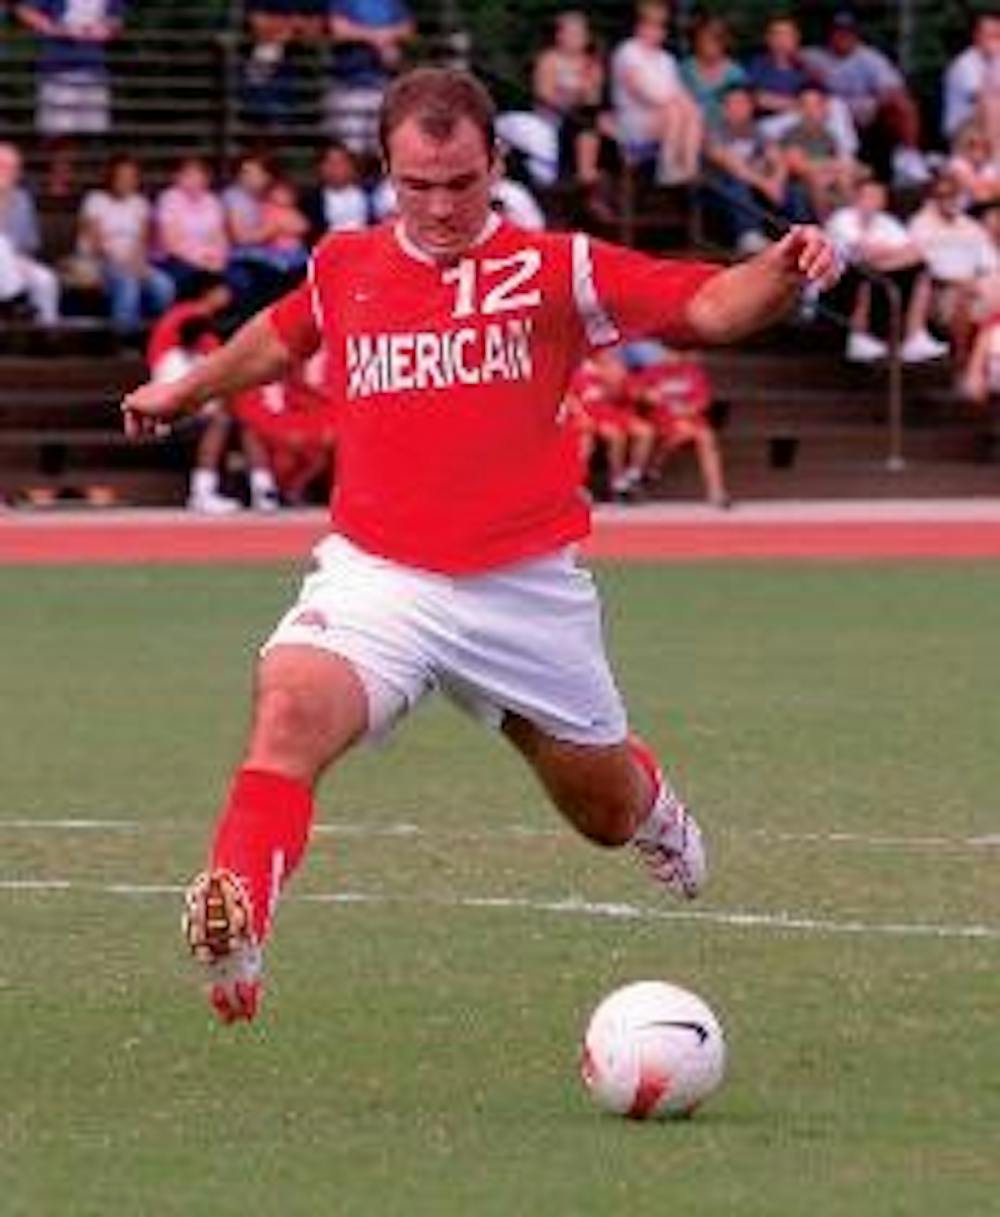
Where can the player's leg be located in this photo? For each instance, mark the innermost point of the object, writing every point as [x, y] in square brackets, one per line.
[710, 463]
[616, 795]
[204, 495]
[310, 706]
[641, 441]
[263, 488]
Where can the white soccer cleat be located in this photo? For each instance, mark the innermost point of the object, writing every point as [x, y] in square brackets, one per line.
[674, 852]
[218, 927]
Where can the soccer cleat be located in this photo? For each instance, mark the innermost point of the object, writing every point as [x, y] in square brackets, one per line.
[217, 926]
[674, 851]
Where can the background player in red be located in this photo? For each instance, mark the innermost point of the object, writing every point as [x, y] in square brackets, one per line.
[294, 420]
[674, 389]
[450, 337]
[181, 338]
[600, 402]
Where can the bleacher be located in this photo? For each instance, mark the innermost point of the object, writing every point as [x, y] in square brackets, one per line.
[801, 422]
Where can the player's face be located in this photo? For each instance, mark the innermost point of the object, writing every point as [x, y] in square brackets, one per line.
[442, 186]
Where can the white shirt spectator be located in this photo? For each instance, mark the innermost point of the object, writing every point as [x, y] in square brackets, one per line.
[861, 78]
[122, 224]
[517, 204]
[345, 208]
[536, 139]
[198, 224]
[966, 78]
[957, 250]
[849, 229]
[661, 80]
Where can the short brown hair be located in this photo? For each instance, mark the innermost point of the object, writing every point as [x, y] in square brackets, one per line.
[438, 98]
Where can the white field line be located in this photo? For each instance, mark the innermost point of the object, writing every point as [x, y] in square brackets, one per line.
[520, 832]
[570, 906]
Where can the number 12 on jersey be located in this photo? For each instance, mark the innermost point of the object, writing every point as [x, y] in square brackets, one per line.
[495, 285]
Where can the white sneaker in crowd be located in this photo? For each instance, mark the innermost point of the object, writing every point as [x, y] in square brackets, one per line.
[265, 500]
[865, 348]
[210, 503]
[910, 167]
[922, 347]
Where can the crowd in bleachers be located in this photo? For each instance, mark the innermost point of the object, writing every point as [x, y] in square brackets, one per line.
[786, 132]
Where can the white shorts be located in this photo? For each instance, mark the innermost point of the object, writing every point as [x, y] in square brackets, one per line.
[525, 639]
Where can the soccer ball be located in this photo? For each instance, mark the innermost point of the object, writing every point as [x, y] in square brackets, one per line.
[652, 1050]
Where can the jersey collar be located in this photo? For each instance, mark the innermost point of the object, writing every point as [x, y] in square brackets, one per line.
[414, 251]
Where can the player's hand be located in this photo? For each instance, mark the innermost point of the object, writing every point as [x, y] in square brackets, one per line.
[151, 409]
[807, 251]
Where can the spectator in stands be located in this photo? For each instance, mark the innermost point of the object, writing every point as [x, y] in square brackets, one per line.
[710, 71]
[284, 229]
[972, 82]
[191, 225]
[745, 173]
[656, 117]
[883, 109]
[872, 237]
[963, 261]
[114, 229]
[73, 93]
[974, 167]
[598, 403]
[24, 280]
[822, 178]
[778, 74]
[672, 390]
[267, 77]
[567, 84]
[337, 201]
[184, 334]
[266, 231]
[369, 39]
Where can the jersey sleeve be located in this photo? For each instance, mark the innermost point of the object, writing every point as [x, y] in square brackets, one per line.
[294, 320]
[622, 295]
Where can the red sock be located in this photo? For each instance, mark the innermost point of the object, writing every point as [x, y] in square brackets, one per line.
[261, 836]
[646, 759]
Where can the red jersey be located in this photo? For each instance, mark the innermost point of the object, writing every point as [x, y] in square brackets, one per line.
[453, 453]
[680, 388]
[166, 333]
[598, 402]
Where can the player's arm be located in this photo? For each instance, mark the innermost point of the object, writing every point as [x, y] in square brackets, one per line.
[259, 352]
[622, 295]
[753, 294]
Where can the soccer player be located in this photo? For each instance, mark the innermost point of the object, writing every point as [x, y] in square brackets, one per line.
[600, 402]
[450, 337]
[675, 390]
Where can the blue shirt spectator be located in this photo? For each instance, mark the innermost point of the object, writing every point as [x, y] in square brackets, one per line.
[368, 41]
[73, 32]
[73, 94]
[368, 38]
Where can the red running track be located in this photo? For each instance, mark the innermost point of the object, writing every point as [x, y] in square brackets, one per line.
[174, 537]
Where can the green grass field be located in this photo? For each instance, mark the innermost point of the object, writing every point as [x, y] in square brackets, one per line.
[417, 1051]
